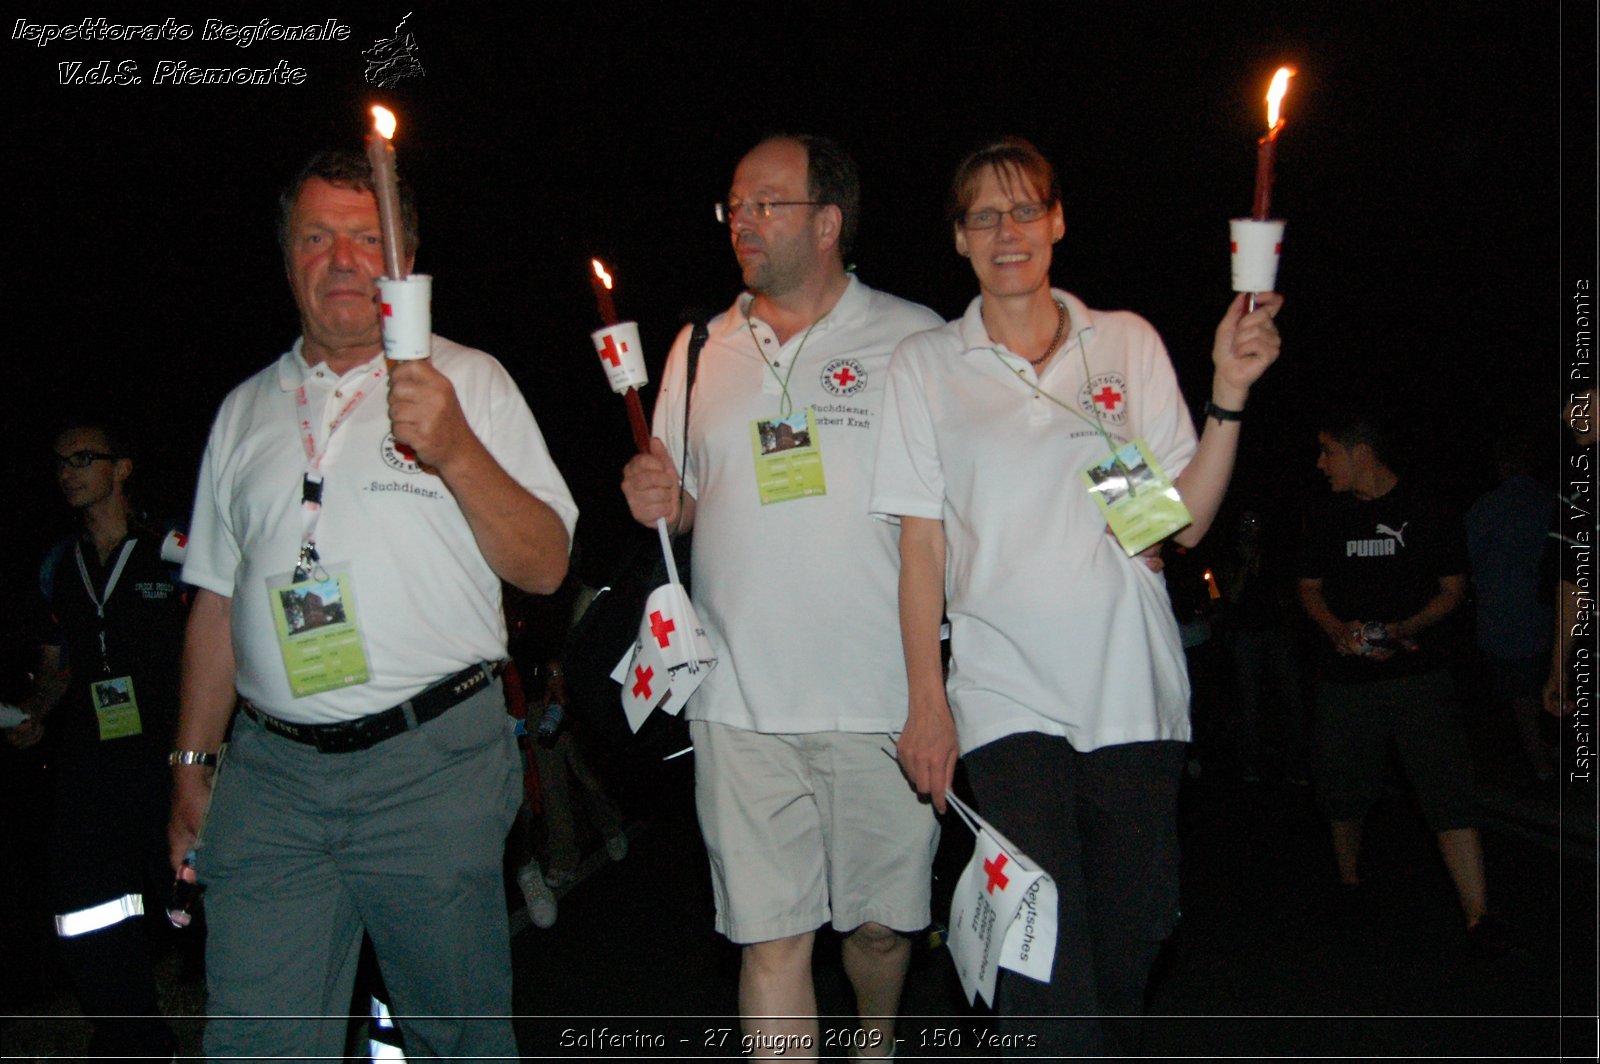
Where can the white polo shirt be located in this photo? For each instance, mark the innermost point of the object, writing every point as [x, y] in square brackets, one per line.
[425, 599]
[1053, 628]
[798, 598]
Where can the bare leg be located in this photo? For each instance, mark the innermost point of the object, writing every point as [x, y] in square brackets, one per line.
[1462, 851]
[876, 959]
[1347, 849]
[777, 1003]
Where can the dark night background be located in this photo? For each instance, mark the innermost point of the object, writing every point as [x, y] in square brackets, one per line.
[1437, 171]
[1421, 171]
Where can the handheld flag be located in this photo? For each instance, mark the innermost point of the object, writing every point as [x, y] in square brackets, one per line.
[1004, 912]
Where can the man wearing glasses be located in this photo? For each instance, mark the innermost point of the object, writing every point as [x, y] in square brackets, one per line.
[107, 684]
[806, 819]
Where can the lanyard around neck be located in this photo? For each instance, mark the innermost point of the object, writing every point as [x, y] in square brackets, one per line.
[101, 598]
[785, 404]
[1097, 422]
[311, 482]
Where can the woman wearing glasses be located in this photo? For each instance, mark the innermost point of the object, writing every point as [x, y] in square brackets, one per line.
[1067, 693]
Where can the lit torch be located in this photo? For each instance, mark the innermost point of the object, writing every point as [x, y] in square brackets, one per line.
[1256, 242]
[380, 153]
[1267, 146]
[621, 355]
[602, 292]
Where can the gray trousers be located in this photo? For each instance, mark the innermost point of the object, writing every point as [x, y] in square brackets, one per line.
[304, 851]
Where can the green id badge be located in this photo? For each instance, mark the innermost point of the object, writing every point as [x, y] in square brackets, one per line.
[788, 458]
[116, 709]
[315, 621]
[1136, 497]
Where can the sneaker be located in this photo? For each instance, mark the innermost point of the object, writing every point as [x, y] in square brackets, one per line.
[541, 903]
[617, 846]
[561, 878]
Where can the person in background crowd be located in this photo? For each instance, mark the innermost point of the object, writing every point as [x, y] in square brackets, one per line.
[1508, 540]
[106, 689]
[1382, 565]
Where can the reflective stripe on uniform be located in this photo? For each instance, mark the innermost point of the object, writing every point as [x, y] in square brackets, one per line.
[70, 925]
[383, 1027]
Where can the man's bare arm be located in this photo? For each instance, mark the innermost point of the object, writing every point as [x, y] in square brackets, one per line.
[205, 704]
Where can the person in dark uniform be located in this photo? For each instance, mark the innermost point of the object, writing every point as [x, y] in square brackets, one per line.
[105, 699]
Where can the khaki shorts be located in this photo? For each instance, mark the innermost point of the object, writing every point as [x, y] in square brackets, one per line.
[806, 828]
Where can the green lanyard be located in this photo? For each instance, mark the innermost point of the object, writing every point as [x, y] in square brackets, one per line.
[1083, 352]
[785, 404]
[1097, 422]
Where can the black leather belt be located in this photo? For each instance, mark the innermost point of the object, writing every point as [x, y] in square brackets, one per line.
[352, 735]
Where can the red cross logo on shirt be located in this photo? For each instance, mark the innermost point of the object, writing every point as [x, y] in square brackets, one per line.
[661, 626]
[844, 377]
[643, 675]
[997, 878]
[1108, 397]
[609, 352]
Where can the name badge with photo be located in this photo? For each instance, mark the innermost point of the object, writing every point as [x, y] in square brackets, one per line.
[1137, 497]
[788, 457]
[315, 621]
[116, 708]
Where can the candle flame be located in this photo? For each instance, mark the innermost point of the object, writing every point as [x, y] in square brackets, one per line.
[1280, 85]
[600, 272]
[383, 121]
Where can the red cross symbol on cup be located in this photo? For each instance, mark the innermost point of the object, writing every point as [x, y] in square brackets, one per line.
[661, 627]
[642, 674]
[610, 354]
[388, 311]
[997, 878]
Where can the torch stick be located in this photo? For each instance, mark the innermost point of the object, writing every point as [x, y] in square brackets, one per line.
[625, 370]
[1267, 153]
[380, 153]
[601, 282]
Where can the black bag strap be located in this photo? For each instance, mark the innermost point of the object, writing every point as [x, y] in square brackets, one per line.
[697, 340]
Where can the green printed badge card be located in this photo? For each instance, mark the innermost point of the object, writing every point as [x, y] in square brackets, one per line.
[315, 621]
[788, 457]
[1137, 497]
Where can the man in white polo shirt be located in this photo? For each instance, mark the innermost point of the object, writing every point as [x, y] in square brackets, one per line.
[352, 527]
[805, 817]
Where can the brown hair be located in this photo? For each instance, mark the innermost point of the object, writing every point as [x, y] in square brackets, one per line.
[1015, 162]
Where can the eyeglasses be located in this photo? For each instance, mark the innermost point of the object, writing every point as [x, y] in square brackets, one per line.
[727, 212]
[1022, 214]
[82, 459]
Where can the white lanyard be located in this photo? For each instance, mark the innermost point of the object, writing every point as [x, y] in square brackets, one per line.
[101, 598]
[311, 483]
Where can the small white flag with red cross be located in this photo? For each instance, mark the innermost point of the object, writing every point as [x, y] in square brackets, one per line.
[669, 659]
[1003, 914]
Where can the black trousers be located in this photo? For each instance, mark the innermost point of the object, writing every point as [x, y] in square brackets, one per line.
[108, 840]
[1104, 825]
